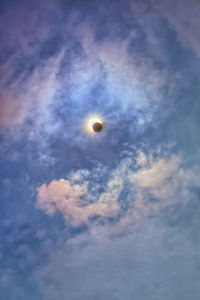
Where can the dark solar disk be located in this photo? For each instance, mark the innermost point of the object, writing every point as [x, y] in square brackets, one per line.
[97, 127]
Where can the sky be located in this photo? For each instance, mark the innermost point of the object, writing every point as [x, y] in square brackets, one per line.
[112, 215]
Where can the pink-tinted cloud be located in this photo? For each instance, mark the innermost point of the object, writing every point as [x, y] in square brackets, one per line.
[157, 183]
[74, 200]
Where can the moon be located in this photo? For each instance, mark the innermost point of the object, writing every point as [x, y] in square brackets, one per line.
[97, 127]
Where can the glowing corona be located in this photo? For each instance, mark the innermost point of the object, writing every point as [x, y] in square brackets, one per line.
[93, 124]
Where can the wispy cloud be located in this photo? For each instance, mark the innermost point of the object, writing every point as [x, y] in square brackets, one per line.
[106, 210]
[93, 74]
[177, 14]
[126, 267]
[17, 104]
[155, 183]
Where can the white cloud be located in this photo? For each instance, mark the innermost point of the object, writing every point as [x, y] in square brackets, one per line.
[76, 202]
[159, 183]
[155, 183]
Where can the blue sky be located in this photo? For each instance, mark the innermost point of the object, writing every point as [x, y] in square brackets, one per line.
[114, 215]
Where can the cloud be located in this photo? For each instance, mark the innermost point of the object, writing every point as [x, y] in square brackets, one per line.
[28, 78]
[125, 77]
[27, 26]
[125, 268]
[122, 259]
[17, 104]
[79, 71]
[160, 183]
[108, 230]
[74, 200]
[154, 183]
[183, 17]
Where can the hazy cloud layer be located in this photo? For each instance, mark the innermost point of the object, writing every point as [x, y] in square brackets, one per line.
[154, 263]
[107, 216]
[177, 14]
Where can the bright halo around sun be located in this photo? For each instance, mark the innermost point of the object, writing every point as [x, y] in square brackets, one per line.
[93, 124]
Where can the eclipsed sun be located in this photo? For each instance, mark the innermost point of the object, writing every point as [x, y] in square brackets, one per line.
[93, 124]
